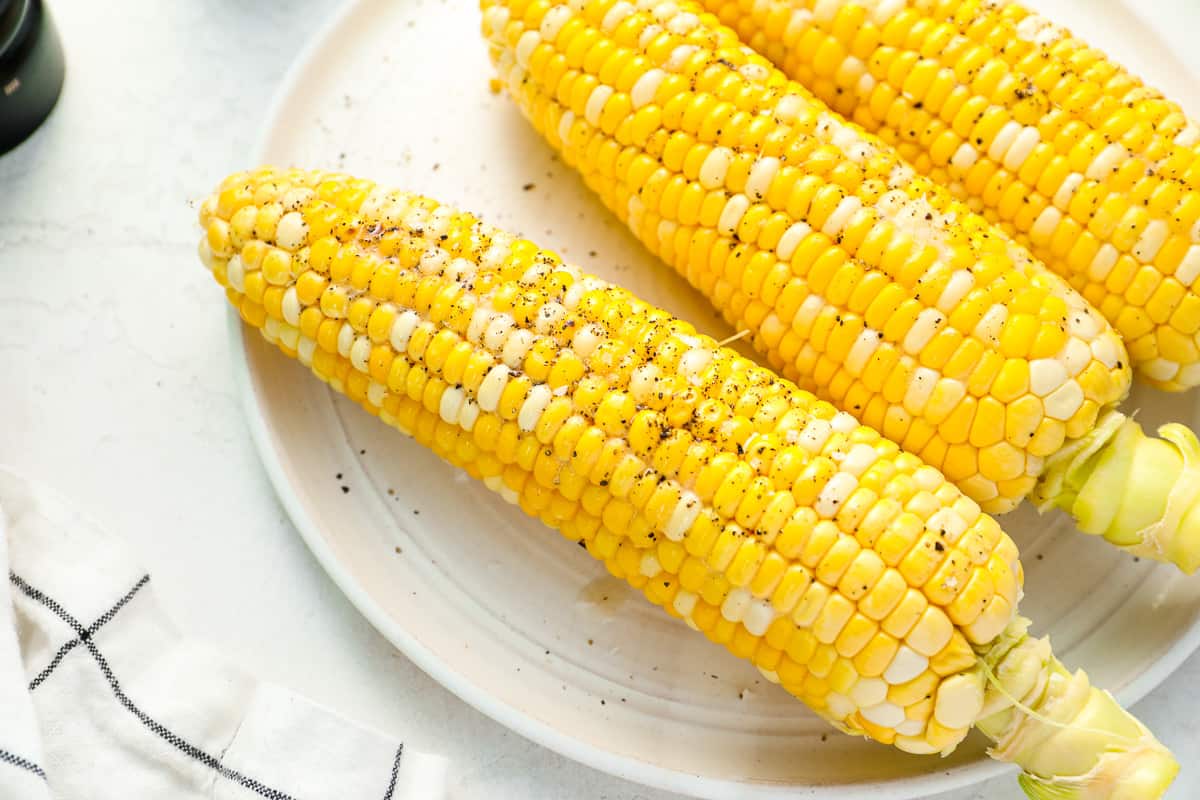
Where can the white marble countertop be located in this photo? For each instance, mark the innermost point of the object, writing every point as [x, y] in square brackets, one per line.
[117, 391]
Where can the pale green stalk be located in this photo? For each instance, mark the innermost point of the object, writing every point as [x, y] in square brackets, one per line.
[1073, 741]
[1138, 492]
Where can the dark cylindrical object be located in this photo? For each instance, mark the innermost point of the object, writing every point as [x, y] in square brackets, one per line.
[31, 69]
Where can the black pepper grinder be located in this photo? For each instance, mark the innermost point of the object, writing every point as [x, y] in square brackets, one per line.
[31, 69]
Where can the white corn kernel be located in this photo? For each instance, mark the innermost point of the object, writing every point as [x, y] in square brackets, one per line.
[886, 9]
[948, 523]
[885, 714]
[451, 404]
[270, 330]
[1107, 162]
[360, 353]
[959, 701]
[492, 387]
[926, 325]
[843, 422]
[616, 15]
[841, 215]
[814, 435]
[679, 57]
[1046, 375]
[788, 107]
[468, 413]
[548, 317]
[1151, 241]
[715, 167]
[345, 339]
[839, 706]
[761, 175]
[736, 604]
[759, 617]
[646, 87]
[906, 665]
[1103, 262]
[291, 231]
[515, 347]
[694, 361]
[735, 208]
[289, 336]
[553, 22]
[920, 388]
[959, 286]
[595, 104]
[869, 692]
[915, 745]
[682, 517]
[990, 326]
[1083, 322]
[402, 330]
[642, 382]
[1159, 369]
[376, 393]
[1045, 225]
[291, 306]
[1186, 273]
[684, 603]
[1070, 184]
[649, 34]
[1021, 148]
[564, 126]
[525, 46]
[1106, 351]
[305, 351]
[1076, 356]
[964, 157]
[296, 197]
[791, 239]
[834, 494]
[861, 351]
[497, 332]
[1005, 138]
[235, 273]
[534, 406]
[587, 339]
[859, 459]
[649, 565]
[927, 478]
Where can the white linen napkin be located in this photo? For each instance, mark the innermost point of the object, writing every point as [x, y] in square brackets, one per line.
[101, 698]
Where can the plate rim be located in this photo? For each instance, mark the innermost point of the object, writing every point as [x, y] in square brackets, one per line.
[542, 733]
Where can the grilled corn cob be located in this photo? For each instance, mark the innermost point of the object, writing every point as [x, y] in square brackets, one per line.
[1096, 173]
[847, 571]
[858, 279]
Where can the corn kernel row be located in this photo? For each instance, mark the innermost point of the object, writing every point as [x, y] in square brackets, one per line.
[860, 280]
[847, 571]
[1059, 146]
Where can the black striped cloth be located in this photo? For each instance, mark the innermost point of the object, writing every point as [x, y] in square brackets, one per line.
[101, 698]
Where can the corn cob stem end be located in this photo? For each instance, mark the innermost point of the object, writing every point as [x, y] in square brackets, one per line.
[1141, 493]
[1073, 741]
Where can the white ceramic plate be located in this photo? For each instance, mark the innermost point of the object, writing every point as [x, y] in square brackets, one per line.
[513, 618]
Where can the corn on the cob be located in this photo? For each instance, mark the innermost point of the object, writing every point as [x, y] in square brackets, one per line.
[844, 569]
[858, 279]
[1096, 173]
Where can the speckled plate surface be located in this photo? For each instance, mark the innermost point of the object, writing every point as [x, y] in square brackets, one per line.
[513, 618]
